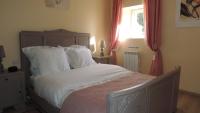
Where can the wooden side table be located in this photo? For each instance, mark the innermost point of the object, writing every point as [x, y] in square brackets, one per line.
[102, 59]
[12, 88]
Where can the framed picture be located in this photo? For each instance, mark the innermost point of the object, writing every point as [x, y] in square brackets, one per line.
[188, 13]
[64, 4]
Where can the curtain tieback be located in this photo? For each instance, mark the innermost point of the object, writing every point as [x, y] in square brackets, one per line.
[156, 54]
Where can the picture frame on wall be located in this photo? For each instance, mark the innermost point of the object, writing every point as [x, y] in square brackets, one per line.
[61, 4]
[188, 13]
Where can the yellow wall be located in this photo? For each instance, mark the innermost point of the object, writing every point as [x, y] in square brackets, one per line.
[179, 46]
[132, 2]
[92, 16]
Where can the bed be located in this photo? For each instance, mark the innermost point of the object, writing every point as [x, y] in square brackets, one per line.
[154, 95]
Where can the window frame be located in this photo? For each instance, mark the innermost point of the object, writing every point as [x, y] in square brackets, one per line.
[130, 12]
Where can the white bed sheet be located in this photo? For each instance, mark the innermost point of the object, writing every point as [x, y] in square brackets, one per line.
[56, 87]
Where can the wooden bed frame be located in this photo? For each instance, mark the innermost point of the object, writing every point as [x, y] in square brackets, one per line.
[157, 96]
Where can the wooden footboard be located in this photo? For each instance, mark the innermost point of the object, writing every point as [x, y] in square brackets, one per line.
[157, 96]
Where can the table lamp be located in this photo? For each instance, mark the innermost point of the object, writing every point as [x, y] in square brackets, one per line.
[2, 55]
[102, 47]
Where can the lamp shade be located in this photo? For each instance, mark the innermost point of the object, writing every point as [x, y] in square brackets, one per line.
[2, 52]
[103, 44]
[93, 44]
[92, 40]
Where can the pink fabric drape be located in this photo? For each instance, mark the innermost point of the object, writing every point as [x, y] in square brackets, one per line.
[152, 12]
[114, 34]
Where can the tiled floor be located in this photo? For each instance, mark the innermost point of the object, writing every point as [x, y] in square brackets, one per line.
[187, 103]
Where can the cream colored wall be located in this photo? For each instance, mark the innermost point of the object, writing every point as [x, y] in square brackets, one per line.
[132, 2]
[179, 46]
[92, 16]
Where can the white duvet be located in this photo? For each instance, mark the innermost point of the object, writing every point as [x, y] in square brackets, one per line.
[57, 86]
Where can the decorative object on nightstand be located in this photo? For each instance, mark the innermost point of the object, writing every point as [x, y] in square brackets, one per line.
[12, 69]
[102, 59]
[102, 47]
[2, 55]
[12, 87]
[93, 44]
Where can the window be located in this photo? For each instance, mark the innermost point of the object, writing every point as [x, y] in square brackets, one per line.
[132, 25]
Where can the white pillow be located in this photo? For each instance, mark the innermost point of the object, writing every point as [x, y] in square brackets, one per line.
[78, 46]
[79, 56]
[72, 46]
[45, 60]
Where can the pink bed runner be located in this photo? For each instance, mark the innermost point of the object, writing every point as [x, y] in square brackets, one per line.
[93, 99]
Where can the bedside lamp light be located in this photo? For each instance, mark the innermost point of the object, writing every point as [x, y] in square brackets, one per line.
[102, 47]
[2, 55]
[93, 44]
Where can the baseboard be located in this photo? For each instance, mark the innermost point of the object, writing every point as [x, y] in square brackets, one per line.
[190, 93]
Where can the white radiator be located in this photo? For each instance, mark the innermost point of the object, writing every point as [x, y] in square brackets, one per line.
[131, 61]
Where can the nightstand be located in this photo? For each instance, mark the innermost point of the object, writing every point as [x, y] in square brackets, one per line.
[102, 59]
[12, 89]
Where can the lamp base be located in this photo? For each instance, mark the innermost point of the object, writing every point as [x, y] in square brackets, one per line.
[101, 53]
[1, 68]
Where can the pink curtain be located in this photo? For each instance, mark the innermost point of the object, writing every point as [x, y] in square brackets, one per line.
[152, 12]
[114, 34]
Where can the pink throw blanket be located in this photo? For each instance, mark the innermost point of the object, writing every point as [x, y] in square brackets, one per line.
[93, 99]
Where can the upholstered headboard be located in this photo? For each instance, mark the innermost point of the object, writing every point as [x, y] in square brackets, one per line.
[59, 37]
